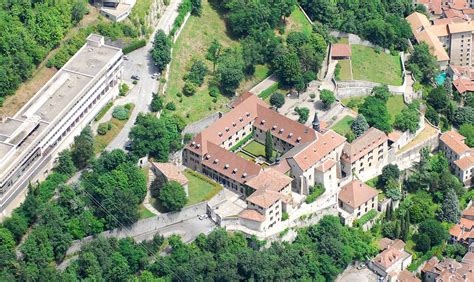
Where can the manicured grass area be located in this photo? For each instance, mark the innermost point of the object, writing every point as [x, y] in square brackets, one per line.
[261, 72]
[200, 187]
[141, 9]
[257, 149]
[395, 104]
[101, 141]
[343, 40]
[245, 156]
[298, 22]
[144, 212]
[193, 42]
[381, 67]
[373, 182]
[345, 73]
[343, 126]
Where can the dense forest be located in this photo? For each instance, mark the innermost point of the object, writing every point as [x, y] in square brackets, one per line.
[28, 31]
[379, 21]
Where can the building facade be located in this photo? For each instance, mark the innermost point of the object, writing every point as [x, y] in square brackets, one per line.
[57, 112]
[355, 200]
[459, 155]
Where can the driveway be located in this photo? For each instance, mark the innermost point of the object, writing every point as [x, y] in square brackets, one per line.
[140, 63]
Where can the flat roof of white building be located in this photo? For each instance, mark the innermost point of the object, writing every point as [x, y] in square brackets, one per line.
[53, 101]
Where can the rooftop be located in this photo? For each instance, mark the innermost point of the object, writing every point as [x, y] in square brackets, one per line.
[365, 143]
[341, 50]
[454, 141]
[171, 172]
[356, 193]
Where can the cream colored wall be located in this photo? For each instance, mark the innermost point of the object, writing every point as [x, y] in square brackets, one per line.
[461, 48]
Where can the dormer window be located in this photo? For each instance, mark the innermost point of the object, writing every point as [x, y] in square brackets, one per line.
[298, 139]
[226, 166]
[274, 127]
[263, 121]
[244, 175]
[241, 119]
[247, 114]
[198, 145]
[193, 143]
[220, 134]
[290, 135]
[234, 171]
[208, 156]
[216, 161]
[227, 129]
[281, 130]
[234, 124]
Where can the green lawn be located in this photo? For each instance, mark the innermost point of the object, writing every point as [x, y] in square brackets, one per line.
[381, 68]
[245, 156]
[345, 73]
[193, 42]
[395, 104]
[102, 141]
[343, 40]
[257, 149]
[298, 22]
[144, 212]
[343, 126]
[200, 187]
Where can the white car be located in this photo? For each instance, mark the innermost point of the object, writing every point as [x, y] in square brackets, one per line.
[155, 75]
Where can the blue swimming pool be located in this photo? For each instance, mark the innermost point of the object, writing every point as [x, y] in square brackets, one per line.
[440, 78]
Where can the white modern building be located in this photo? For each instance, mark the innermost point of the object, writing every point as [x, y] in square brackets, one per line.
[30, 140]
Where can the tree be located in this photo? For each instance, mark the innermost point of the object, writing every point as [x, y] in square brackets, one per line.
[463, 115]
[287, 66]
[434, 230]
[277, 100]
[422, 64]
[230, 71]
[83, 148]
[213, 53]
[268, 146]
[423, 243]
[392, 190]
[156, 103]
[450, 208]
[438, 99]
[421, 207]
[359, 126]
[197, 73]
[376, 113]
[467, 130]
[408, 119]
[303, 112]
[432, 115]
[189, 88]
[65, 164]
[161, 52]
[381, 92]
[172, 196]
[79, 9]
[350, 136]
[390, 171]
[196, 7]
[327, 97]
[469, 99]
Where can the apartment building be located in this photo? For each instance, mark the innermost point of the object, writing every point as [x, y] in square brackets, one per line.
[365, 156]
[459, 155]
[356, 199]
[392, 261]
[30, 140]
[308, 157]
[463, 231]
[449, 41]
[449, 269]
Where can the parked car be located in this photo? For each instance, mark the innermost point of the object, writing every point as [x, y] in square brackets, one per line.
[155, 75]
[136, 77]
[125, 57]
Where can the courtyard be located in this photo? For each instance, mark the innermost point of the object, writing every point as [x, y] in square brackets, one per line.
[343, 126]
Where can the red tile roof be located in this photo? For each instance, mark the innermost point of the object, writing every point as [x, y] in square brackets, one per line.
[363, 144]
[454, 141]
[341, 50]
[264, 198]
[171, 172]
[326, 165]
[462, 85]
[356, 193]
[270, 179]
[318, 149]
[252, 215]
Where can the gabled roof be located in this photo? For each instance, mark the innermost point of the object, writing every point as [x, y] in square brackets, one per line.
[454, 141]
[252, 215]
[465, 163]
[365, 143]
[318, 149]
[264, 198]
[270, 179]
[171, 172]
[341, 50]
[356, 193]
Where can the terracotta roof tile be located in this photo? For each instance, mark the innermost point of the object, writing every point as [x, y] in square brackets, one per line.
[264, 198]
[318, 149]
[326, 165]
[269, 179]
[465, 163]
[454, 141]
[407, 276]
[356, 193]
[341, 50]
[363, 144]
[171, 172]
[388, 258]
[252, 215]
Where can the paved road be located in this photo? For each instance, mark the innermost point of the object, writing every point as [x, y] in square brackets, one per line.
[140, 63]
[264, 84]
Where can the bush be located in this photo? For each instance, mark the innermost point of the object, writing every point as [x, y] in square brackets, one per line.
[312, 95]
[213, 91]
[170, 106]
[423, 243]
[314, 193]
[197, 73]
[123, 90]
[134, 45]
[120, 113]
[284, 216]
[303, 112]
[103, 111]
[366, 218]
[277, 100]
[129, 106]
[156, 103]
[337, 72]
[103, 128]
[189, 88]
[327, 97]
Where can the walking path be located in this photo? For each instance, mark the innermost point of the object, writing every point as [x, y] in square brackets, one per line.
[264, 84]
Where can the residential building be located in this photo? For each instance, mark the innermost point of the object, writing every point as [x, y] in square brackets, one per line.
[117, 10]
[463, 231]
[463, 78]
[308, 157]
[30, 140]
[392, 260]
[366, 156]
[449, 270]
[355, 200]
[459, 155]
[169, 172]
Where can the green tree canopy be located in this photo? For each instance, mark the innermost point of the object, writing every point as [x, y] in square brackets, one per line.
[161, 52]
[376, 113]
[277, 100]
[172, 196]
[359, 126]
[327, 97]
[83, 148]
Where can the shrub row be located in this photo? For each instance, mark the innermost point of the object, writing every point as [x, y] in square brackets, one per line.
[134, 45]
